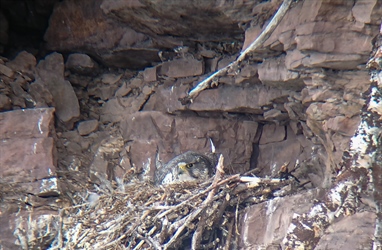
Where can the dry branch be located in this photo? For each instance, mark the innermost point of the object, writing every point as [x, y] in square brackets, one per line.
[265, 34]
[197, 237]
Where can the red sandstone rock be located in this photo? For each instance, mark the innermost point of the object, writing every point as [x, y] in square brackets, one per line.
[28, 154]
[248, 99]
[83, 27]
[5, 103]
[101, 90]
[224, 15]
[150, 74]
[143, 155]
[24, 63]
[250, 36]
[31, 163]
[26, 160]
[51, 73]
[343, 125]
[352, 232]
[323, 39]
[110, 78]
[41, 95]
[182, 68]
[28, 123]
[225, 61]
[275, 115]
[273, 155]
[267, 223]
[123, 90]
[86, 127]
[6, 71]
[115, 110]
[272, 133]
[248, 74]
[81, 64]
[173, 135]
[273, 72]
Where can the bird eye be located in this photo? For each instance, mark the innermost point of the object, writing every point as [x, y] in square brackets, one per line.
[190, 165]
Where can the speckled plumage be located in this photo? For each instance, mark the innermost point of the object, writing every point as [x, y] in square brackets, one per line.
[189, 166]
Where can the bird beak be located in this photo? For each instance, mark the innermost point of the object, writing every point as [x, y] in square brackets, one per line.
[284, 167]
[182, 166]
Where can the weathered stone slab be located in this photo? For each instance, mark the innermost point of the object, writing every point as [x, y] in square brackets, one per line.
[248, 99]
[31, 163]
[4, 70]
[27, 123]
[352, 232]
[50, 72]
[182, 68]
[24, 62]
[272, 133]
[81, 64]
[343, 125]
[273, 155]
[86, 127]
[333, 43]
[322, 40]
[168, 20]
[110, 78]
[5, 102]
[116, 109]
[273, 72]
[27, 159]
[27, 150]
[150, 74]
[267, 223]
[90, 31]
[334, 61]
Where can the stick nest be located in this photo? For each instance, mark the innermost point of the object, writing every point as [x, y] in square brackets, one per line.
[177, 216]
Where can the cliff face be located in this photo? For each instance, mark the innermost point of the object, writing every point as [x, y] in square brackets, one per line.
[305, 97]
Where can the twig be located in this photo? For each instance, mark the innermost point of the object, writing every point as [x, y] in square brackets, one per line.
[164, 231]
[139, 245]
[231, 178]
[265, 34]
[132, 228]
[237, 218]
[222, 208]
[81, 238]
[197, 237]
[256, 181]
[154, 243]
[229, 235]
[147, 239]
[180, 222]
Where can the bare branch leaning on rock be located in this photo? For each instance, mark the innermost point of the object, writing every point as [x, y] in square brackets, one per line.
[265, 34]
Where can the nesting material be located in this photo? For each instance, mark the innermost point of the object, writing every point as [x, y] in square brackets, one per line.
[177, 216]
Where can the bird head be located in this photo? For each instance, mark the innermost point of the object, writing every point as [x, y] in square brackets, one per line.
[192, 171]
